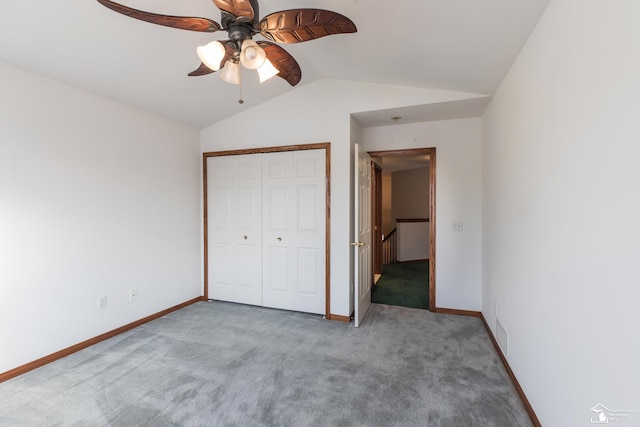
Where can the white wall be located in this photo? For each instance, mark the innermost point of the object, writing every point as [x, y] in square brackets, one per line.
[560, 218]
[410, 193]
[96, 198]
[320, 112]
[413, 241]
[388, 221]
[458, 198]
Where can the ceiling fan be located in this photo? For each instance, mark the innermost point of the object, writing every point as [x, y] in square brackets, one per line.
[240, 18]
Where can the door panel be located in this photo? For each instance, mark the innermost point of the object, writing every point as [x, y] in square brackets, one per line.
[276, 273]
[307, 203]
[376, 218]
[220, 283]
[362, 244]
[220, 185]
[279, 201]
[294, 235]
[234, 206]
[277, 250]
[267, 229]
[310, 220]
[220, 211]
[307, 271]
[244, 213]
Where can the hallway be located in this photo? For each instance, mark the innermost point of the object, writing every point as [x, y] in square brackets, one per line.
[403, 284]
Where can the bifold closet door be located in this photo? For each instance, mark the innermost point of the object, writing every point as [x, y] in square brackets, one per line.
[234, 206]
[294, 230]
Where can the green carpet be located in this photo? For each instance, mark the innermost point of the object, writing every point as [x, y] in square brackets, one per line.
[405, 284]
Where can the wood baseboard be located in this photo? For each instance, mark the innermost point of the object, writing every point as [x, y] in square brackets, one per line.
[88, 343]
[458, 312]
[345, 319]
[514, 380]
[95, 340]
[523, 397]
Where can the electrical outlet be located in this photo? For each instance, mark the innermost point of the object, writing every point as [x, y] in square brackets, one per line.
[133, 294]
[457, 226]
[102, 303]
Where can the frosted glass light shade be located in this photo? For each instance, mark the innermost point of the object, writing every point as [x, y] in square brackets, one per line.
[266, 71]
[211, 54]
[231, 73]
[252, 56]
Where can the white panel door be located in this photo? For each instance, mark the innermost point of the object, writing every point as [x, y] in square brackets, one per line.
[310, 204]
[278, 230]
[363, 267]
[234, 204]
[294, 230]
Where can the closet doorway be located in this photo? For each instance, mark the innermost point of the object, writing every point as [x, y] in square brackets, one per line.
[266, 227]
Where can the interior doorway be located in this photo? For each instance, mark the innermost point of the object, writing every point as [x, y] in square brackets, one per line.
[427, 156]
[376, 219]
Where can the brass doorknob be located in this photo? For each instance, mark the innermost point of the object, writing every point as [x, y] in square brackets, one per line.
[357, 244]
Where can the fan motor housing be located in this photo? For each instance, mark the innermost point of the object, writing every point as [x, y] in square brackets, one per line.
[239, 32]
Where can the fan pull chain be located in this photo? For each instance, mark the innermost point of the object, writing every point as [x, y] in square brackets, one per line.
[241, 101]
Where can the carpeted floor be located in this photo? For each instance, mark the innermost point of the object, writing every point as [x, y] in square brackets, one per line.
[222, 364]
[403, 283]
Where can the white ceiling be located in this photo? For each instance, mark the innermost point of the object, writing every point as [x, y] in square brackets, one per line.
[402, 163]
[423, 113]
[458, 45]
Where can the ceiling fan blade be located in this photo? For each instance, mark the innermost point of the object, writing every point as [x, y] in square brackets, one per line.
[301, 25]
[283, 61]
[182, 22]
[242, 10]
[203, 70]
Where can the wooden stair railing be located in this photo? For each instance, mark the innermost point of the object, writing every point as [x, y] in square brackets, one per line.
[390, 248]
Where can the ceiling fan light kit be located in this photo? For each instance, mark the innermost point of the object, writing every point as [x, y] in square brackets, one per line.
[231, 73]
[252, 56]
[211, 54]
[240, 18]
[266, 71]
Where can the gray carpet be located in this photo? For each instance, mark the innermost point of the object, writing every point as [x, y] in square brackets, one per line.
[221, 364]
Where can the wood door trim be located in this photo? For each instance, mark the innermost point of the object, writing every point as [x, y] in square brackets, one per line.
[317, 146]
[432, 210]
[277, 149]
[376, 216]
[432, 229]
[327, 239]
[205, 225]
[336, 317]
[398, 153]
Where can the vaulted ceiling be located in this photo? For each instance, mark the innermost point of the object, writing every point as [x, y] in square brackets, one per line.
[457, 45]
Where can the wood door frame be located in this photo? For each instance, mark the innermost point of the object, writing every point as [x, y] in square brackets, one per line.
[376, 217]
[432, 210]
[319, 146]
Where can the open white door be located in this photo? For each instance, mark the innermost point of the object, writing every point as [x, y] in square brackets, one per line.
[363, 272]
